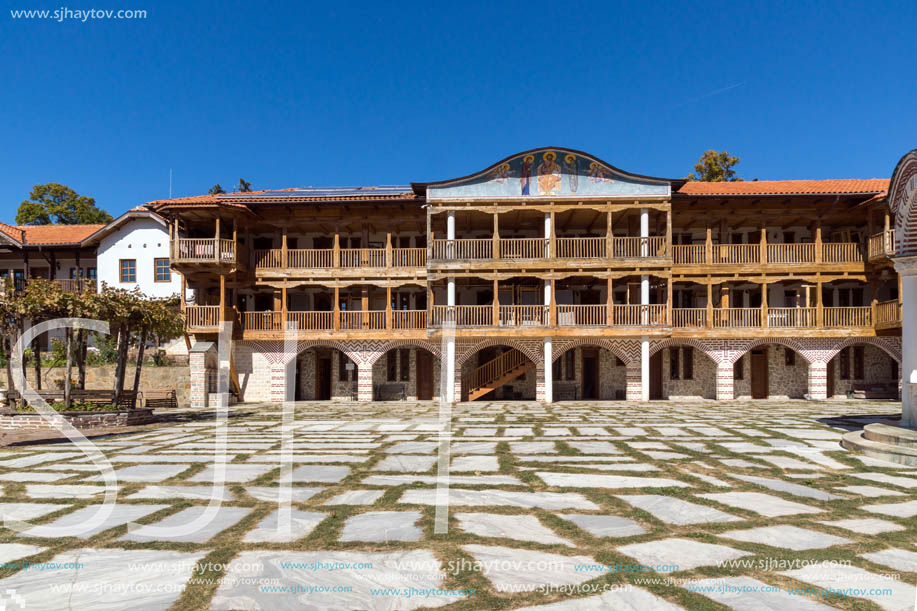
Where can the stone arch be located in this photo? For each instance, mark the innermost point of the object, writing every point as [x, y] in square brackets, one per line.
[560, 347]
[902, 199]
[715, 355]
[870, 341]
[531, 349]
[431, 347]
[357, 356]
[739, 351]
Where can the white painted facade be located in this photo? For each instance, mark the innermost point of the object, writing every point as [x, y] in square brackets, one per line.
[142, 239]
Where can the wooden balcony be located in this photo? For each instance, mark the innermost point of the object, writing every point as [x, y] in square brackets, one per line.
[758, 254]
[790, 319]
[888, 314]
[582, 315]
[369, 320]
[338, 259]
[209, 251]
[202, 318]
[513, 249]
[882, 246]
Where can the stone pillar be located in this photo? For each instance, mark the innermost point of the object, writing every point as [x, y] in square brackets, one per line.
[907, 268]
[364, 382]
[456, 384]
[634, 391]
[644, 369]
[546, 372]
[725, 382]
[547, 235]
[197, 363]
[449, 369]
[818, 381]
[278, 382]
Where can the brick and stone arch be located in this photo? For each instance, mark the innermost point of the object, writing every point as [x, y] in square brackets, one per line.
[627, 351]
[704, 382]
[431, 347]
[532, 349]
[612, 377]
[734, 349]
[902, 199]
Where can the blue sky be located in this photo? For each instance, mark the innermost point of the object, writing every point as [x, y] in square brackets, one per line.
[385, 93]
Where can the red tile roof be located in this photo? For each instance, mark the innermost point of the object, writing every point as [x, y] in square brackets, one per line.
[786, 187]
[48, 235]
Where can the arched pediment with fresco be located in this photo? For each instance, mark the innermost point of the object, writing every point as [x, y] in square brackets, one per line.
[902, 199]
[551, 172]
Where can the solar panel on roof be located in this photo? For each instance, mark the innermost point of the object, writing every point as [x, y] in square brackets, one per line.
[326, 192]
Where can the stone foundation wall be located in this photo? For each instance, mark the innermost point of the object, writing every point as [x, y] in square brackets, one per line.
[81, 420]
[703, 382]
[612, 377]
[877, 369]
[101, 377]
[783, 382]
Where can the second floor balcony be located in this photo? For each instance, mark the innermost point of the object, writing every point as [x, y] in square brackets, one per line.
[278, 259]
[516, 249]
[209, 251]
[767, 254]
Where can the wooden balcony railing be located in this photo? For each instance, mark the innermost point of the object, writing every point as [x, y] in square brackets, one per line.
[76, 285]
[882, 245]
[790, 253]
[689, 254]
[580, 248]
[312, 320]
[782, 318]
[689, 317]
[409, 257]
[362, 257]
[310, 258]
[267, 259]
[635, 248]
[888, 312]
[582, 315]
[409, 319]
[452, 250]
[731, 318]
[848, 316]
[841, 252]
[323, 258]
[202, 317]
[491, 370]
[204, 250]
[523, 315]
[363, 319]
[463, 316]
[736, 254]
[523, 248]
[262, 321]
[639, 315]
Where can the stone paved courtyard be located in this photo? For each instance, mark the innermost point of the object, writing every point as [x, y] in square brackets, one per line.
[570, 506]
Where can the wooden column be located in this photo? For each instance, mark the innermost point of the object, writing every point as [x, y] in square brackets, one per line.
[284, 262]
[429, 304]
[818, 242]
[388, 306]
[175, 249]
[283, 298]
[764, 307]
[708, 246]
[668, 232]
[819, 307]
[709, 296]
[364, 306]
[888, 222]
[610, 314]
[216, 242]
[388, 250]
[763, 245]
[609, 238]
[222, 296]
[337, 305]
[336, 250]
[496, 239]
[496, 302]
[184, 287]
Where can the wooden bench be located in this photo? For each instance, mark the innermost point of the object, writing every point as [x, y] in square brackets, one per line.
[389, 392]
[565, 391]
[159, 399]
[887, 390]
[95, 397]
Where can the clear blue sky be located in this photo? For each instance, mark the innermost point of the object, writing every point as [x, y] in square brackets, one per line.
[385, 93]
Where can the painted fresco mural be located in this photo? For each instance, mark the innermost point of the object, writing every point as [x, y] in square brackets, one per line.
[549, 173]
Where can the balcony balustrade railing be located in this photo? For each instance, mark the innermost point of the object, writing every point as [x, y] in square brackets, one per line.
[582, 315]
[636, 248]
[580, 248]
[689, 254]
[205, 250]
[841, 252]
[540, 248]
[523, 248]
[451, 250]
[202, 317]
[733, 318]
[639, 315]
[782, 318]
[409, 319]
[523, 315]
[322, 258]
[888, 312]
[848, 316]
[736, 254]
[882, 245]
[778, 254]
[689, 317]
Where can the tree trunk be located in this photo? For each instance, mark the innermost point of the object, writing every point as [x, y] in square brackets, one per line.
[8, 344]
[81, 359]
[123, 336]
[36, 362]
[140, 349]
[68, 387]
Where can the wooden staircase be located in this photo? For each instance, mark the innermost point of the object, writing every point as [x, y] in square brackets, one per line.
[494, 374]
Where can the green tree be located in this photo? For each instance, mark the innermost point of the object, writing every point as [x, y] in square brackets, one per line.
[715, 166]
[244, 186]
[56, 203]
[216, 189]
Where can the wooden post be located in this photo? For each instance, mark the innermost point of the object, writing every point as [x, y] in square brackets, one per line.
[364, 306]
[610, 314]
[819, 306]
[495, 253]
[668, 232]
[283, 298]
[216, 242]
[183, 289]
[818, 242]
[764, 308]
[609, 246]
[222, 296]
[336, 323]
[668, 302]
[388, 305]
[388, 250]
[763, 245]
[175, 249]
[709, 295]
[429, 304]
[284, 263]
[496, 302]
[708, 246]
[336, 252]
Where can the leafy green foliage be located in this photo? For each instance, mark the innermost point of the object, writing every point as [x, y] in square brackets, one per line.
[244, 186]
[54, 203]
[216, 189]
[715, 166]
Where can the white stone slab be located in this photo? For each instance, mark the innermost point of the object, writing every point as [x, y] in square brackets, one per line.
[648, 445]
[505, 568]
[676, 554]
[594, 447]
[121, 514]
[614, 467]
[739, 462]
[271, 494]
[356, 497]
[764, 504]
[810, 433]
[203, 493]
[676, 511]
[573, 459]
[788, 487]
[532, 447]
[28, 511]
[604, 526]
[406, 463]
[884, 478]
[105, 580]
[225, 518]
[32, 476]
[501, 498]
[473, 447]
[519, 431]
[301, 524]
[470, 480]
[845, 577]
[10, 552]
[713, 481]
[320, 473]
[166, 458]
[870, 491]
[898, 559]
[64, 491]
[382, 526]
[241, 587]
[898, 510]
[235, 473]
[519, 527]
[143, 473]
[661, 455]
[634, 599]
[589, 480]
[785, 462]
[786, 537]
[36, 459]
[413, 447]
[747, 594]
[867, 526]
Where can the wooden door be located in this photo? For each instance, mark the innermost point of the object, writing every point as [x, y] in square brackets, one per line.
[424, 375]
[759, 374]
[323, 378]
[656, 377]
[590, 374]
[829, 383]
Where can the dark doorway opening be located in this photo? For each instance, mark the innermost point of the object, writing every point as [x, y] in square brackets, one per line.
[759, 374]
[424, 375]
[656, 377]
[323, 378]
[590, 374]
